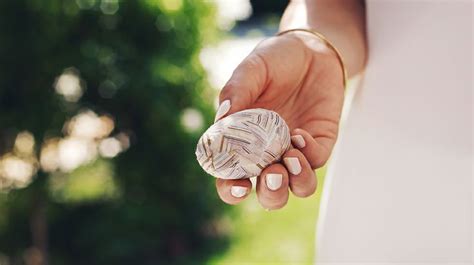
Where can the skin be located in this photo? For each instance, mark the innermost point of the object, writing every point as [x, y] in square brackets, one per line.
[299, 77]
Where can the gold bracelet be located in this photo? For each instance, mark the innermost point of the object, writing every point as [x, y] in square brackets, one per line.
[328, 43]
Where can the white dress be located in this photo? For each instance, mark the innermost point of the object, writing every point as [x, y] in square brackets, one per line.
[400, 185]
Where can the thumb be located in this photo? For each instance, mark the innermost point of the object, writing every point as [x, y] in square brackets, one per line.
[244, 87]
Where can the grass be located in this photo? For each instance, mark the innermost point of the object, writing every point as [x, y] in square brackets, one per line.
[285, 236]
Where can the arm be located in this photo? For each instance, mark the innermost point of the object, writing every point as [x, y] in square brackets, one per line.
[341, 21]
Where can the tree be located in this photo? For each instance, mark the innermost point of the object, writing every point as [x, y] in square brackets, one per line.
[101, 104]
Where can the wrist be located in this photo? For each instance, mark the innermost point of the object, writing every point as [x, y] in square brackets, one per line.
[319, 44]
[341, 21]
[308, 39]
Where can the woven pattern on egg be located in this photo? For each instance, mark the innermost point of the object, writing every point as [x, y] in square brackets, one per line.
[242, 144]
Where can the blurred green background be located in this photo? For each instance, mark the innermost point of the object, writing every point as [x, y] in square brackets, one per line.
[101, 104]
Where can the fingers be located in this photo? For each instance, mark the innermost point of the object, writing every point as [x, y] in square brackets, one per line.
[273, 183]
[244, 87]
[272, 187]
[302, 177]
[316, 151]
[233, 191]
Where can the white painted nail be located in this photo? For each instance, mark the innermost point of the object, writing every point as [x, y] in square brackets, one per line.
[274, 181]
[298, 140]
[293, 165]
[238, 191]
[224, 107]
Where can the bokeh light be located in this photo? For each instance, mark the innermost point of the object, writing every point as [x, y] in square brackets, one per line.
[85, 4]
[220, 60]
[87, 124]
[74, 152]
[25, 143]
[15, 172]
[68, 84]
[228, 11]
[171, 5]
[109, 7]
[49, 157]
[84, 141]
[110, 147]
[192, 120]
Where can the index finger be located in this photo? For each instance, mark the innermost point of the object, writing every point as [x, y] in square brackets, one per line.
[244, 87]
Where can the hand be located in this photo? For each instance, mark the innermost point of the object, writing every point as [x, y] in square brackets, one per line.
[300, 78]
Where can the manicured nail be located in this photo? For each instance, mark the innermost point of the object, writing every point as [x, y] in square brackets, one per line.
[238, 191]
[274, 181]
[224, 107]
[293, 165]
[298, 140]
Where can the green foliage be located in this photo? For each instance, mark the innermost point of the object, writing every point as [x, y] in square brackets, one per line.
[139, 63]
[91, 182]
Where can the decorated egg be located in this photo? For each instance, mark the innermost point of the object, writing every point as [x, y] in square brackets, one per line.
[242, 144]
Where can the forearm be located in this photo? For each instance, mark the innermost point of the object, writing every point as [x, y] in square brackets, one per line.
[341, 21]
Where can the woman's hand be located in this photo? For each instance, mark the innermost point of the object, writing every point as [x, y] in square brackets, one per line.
[299, 77]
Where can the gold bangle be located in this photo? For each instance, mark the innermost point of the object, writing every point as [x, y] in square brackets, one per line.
[328, 43]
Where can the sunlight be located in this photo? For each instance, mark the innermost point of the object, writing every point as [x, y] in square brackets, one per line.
[16, 171]
[68, 84]
[171, 5]
[192, 120]
[229, 11]
[74, 152]
[88, 124]
[49, 157]
[221, 60]
[24, 143]
[110, 147]
[84, 141]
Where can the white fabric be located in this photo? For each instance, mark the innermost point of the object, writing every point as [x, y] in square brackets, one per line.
[399, 188]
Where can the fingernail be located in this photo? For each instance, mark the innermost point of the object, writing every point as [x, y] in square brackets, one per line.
[224, 107]
[238, 191]
[274, 181]
[298, 140]
[293, 165]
